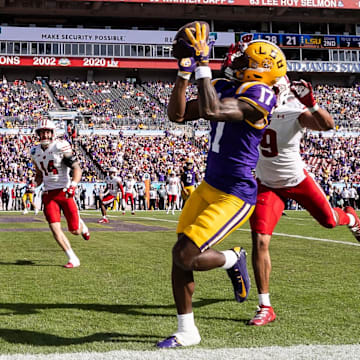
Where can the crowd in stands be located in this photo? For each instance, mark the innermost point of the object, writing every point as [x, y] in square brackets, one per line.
[332, 160]
[343, 103]
[139, 155]
[22, 101]
[111, 104]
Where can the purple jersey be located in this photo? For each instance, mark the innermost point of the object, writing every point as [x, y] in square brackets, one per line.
[233, 151]
[188, 177]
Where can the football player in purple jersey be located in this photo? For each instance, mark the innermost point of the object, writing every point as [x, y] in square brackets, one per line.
[188, 180]
[238, 109]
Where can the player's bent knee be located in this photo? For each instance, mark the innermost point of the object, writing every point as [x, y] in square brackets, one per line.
[75, 232]
[261, 241]
[184, 253]
[329, 223]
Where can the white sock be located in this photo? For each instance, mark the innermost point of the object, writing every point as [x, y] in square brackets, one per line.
[351, 220]
[186, 322]
[264, 299]
[230, 259]
[84, 227]
[72, 257]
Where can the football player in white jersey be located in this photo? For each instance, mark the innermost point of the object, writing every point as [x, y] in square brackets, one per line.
[130, 192]
[53, 160]
[173, 190]
[281, 175]
[113, 186]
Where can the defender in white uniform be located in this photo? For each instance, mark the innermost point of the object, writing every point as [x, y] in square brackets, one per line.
[173, 191]
[53, 160]
[281, 175]
[130, 192]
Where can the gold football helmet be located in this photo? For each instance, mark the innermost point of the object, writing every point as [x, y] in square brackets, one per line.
[267, 63]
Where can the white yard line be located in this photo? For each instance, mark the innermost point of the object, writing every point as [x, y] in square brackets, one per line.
[313, 352]
[248, 230]
[310, 238]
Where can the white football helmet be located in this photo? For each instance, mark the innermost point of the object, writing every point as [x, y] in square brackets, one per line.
[46, 124]
[282, 90]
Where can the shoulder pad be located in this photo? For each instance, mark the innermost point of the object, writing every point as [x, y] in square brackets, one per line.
[63, 146]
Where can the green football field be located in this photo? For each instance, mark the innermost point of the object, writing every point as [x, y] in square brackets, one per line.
[120, 297]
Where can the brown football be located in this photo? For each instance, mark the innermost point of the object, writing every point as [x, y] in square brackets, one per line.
[179, 50]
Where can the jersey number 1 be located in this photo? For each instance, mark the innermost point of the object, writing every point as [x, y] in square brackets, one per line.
[215, 145]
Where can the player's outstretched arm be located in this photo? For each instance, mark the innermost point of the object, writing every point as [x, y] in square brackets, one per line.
[316, 118]
[320, 120]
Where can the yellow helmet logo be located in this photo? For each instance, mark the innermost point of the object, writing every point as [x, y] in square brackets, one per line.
[267, 63]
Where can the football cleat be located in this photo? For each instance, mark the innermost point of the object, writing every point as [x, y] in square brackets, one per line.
[355, 229]
[25, 212]
[170, 342]
[71, 265]
[180, 339]
[133, 213]
[264, 315]
[86, 235]
[103, 221]
[239, 276]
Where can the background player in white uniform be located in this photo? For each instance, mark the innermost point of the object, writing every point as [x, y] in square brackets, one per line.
[113, 186]
[173, 189]
[281, 175]
[53, 160]
[130, 192]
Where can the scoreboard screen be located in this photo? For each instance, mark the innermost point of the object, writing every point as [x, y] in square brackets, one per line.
[349, 42]
[306, 41]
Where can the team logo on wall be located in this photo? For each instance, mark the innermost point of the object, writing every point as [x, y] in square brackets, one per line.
[64, 62]
[245, 38]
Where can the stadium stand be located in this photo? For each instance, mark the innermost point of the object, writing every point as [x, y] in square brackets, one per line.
[119, 103]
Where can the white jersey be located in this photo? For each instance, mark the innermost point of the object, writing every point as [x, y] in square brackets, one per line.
[280, 164]
[152, 194]
[130, 186]
[173, 186]
[56, 175]
[112, 185]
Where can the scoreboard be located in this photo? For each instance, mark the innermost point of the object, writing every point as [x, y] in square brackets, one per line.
[306, 41]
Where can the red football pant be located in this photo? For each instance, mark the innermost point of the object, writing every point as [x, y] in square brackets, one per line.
[55, 201]
[270, 205]
[172, 199]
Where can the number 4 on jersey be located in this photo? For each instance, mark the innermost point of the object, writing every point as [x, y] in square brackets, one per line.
[50, 168]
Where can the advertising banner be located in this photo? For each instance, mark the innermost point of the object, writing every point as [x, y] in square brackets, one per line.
[326, 4]
[99, 36]
[131, 63]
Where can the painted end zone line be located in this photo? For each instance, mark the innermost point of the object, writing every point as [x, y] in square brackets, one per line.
[248, 230]
[311, 238]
